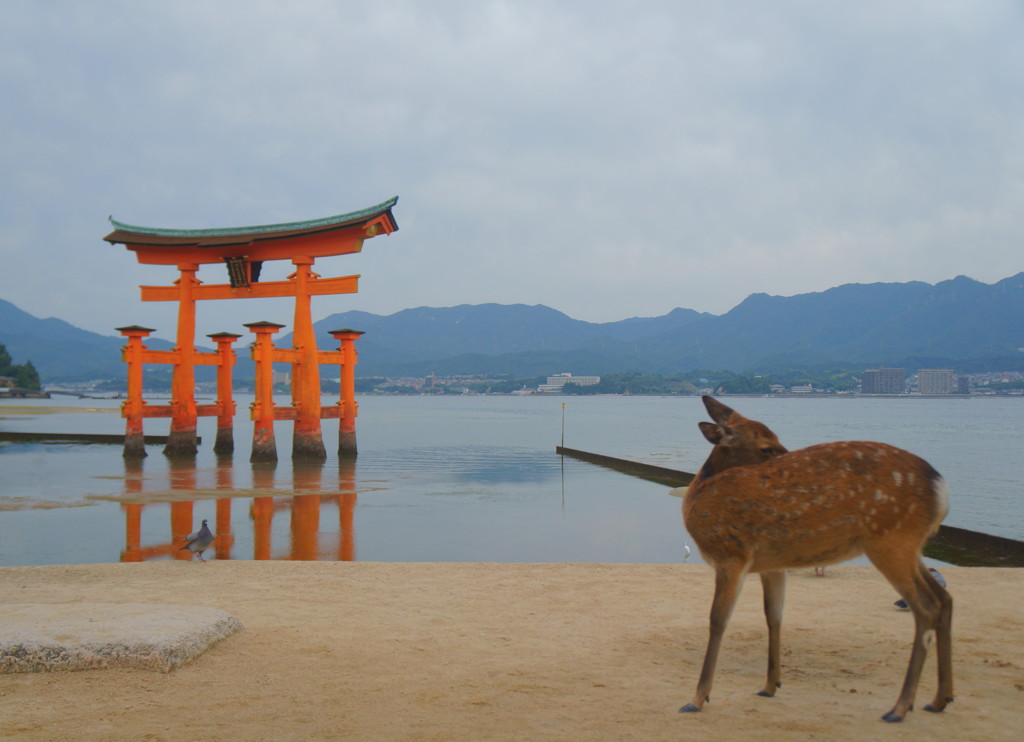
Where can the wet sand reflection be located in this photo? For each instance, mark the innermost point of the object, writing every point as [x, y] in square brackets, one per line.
[310, 491]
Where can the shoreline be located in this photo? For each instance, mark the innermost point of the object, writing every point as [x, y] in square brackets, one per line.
[491, 651]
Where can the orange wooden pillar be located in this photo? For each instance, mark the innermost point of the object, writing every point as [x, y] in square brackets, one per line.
[349, 407]
[181, 440]
[133, 407]
[307, 439]
[264, 446]
[225, 442]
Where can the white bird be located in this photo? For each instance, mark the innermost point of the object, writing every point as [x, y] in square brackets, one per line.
[686, 551]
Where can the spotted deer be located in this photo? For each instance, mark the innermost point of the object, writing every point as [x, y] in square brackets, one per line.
[757, 507]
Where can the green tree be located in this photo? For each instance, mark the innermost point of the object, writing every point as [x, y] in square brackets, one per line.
[634, 384]
[24, 375]
[746, 385]
[27, 376]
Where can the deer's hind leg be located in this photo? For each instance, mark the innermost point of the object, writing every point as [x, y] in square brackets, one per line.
[906, 574]
[774, 585]
[943, 642]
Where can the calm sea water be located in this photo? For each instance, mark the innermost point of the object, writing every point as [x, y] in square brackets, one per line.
[455, 479]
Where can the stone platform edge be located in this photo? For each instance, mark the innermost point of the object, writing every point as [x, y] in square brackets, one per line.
[48, 637]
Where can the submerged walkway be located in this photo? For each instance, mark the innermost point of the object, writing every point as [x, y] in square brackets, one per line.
[958, 546]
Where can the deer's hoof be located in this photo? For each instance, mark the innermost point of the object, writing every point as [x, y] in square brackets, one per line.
[892, 717]
[688, 709]
[938, 709]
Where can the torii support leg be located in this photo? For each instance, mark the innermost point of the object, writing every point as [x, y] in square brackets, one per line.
[181, 440]
[132, 409]
[264, 446]
[307, 438]
[225, 443]
[349, 408]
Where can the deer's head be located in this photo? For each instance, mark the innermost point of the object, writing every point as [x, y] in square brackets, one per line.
[737, 441]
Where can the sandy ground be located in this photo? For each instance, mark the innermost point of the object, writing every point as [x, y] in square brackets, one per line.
[374, 651]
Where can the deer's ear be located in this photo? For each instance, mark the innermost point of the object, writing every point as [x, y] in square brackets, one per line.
[718, 411]
[713, 432]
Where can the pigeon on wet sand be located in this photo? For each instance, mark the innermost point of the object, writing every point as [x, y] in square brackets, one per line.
[199, 541]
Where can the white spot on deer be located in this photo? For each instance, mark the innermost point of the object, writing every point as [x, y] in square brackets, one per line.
[897, 478]
[941, 490]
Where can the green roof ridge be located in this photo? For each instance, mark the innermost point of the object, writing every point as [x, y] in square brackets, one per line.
[227, 231]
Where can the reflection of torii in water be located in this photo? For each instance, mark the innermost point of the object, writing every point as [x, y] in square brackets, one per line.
[244, 250]
[304, 508]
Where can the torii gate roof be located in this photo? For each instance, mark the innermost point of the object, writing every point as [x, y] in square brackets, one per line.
[332, 235]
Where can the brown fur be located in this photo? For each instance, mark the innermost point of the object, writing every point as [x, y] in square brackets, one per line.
[756, 507]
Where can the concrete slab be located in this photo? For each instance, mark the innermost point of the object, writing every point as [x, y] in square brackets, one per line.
[43, 637]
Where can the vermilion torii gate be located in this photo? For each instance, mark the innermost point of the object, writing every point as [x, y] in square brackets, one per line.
[244, 250]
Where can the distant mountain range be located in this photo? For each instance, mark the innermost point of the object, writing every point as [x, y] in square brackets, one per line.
[960, 323]
[59, 350]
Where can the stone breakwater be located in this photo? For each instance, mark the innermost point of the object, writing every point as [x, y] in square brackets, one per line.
[45, 637]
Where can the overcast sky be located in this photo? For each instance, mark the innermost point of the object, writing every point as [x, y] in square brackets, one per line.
[607, 159]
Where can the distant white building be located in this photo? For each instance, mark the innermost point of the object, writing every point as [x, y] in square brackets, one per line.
[556, 382]
[801, 389]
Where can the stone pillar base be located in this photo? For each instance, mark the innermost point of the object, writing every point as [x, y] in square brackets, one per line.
[308, 447]
[181, 443]
[264, 447]
[347, 445]
[134, 446]
[225, 442]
